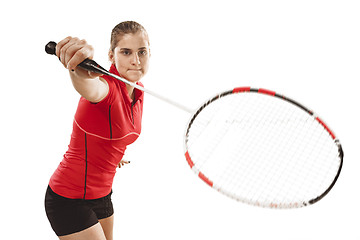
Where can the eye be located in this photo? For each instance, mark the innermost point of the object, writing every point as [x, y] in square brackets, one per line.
[126, 52]
[142, 53]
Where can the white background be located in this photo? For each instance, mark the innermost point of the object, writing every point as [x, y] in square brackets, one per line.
[308, 50]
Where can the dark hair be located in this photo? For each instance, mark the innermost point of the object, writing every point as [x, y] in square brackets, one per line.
[124, 28]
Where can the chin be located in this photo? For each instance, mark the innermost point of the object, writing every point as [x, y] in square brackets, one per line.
[134, 78]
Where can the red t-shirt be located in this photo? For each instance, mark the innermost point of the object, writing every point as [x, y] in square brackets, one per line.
[101, 132]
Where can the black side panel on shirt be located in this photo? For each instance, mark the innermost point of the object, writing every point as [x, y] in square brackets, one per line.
[86, 163]
[110, 122]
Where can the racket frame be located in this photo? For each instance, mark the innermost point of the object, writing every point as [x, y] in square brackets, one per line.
[238, 90]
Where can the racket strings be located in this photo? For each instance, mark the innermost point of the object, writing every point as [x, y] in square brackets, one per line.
[262, 148]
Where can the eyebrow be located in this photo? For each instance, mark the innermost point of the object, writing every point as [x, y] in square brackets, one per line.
[128, 49]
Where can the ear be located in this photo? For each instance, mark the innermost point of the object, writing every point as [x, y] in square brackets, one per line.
[111, 56]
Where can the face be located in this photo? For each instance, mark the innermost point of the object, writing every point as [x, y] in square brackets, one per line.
[131, 56]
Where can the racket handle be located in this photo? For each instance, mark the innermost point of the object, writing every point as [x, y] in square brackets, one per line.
[50, 48]
[87, 64]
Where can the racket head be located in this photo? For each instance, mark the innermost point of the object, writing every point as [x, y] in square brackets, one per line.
[262, 148]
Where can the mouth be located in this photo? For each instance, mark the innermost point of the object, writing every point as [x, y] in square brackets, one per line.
[135, 72]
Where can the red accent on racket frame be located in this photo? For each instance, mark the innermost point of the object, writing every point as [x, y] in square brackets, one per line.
[188, 159]
[265, 91]
[205, 179]
[241, 89]
[326, 127]
[201, 175]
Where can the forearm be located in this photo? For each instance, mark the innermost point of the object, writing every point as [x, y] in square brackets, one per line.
[92, 89]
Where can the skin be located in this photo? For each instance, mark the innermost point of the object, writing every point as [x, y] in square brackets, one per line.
[131, 58]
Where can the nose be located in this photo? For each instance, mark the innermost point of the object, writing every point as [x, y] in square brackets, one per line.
[135, 60]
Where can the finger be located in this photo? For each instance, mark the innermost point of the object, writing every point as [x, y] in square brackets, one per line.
[74, 52]
[61, 44]
[120, 164]
[65, 54]
[78, 54]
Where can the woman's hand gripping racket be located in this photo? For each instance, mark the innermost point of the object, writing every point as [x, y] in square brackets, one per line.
[257, 146]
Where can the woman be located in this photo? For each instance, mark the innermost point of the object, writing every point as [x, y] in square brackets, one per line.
[108, 118]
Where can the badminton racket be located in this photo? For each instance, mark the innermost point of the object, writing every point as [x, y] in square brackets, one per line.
[256, 146]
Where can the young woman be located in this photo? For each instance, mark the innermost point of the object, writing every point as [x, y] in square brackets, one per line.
[108, 118]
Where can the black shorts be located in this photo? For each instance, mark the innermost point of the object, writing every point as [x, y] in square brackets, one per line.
[69, 216]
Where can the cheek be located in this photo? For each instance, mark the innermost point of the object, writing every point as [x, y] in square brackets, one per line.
[119, 60]
[145, 66]
[120, 68]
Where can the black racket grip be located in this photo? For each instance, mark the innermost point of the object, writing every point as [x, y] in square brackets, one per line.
[87, 64]
[50, 48]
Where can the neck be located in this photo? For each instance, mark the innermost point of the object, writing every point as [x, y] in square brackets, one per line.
[130, 90]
